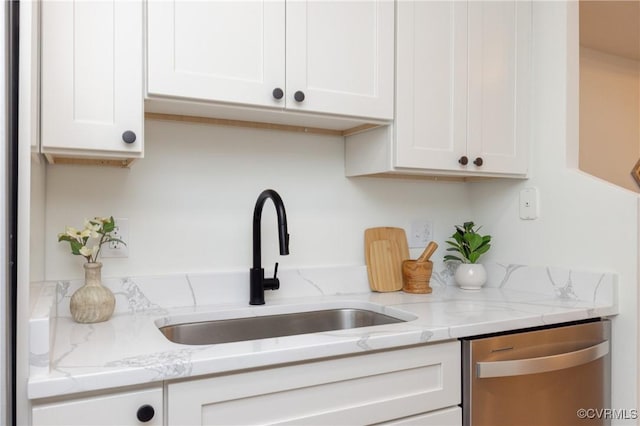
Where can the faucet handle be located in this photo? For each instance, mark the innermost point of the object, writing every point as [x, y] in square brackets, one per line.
[272, 283]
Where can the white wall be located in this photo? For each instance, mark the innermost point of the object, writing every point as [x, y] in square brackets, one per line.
[584, 222]
[190, 202]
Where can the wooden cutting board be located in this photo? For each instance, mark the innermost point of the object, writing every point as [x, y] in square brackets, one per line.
[385, 248]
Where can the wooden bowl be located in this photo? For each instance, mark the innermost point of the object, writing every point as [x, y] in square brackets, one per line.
[416, 276]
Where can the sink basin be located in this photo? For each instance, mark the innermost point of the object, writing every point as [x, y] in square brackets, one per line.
[262, 327]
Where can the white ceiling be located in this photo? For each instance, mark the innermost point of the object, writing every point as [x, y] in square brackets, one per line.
[611, 26]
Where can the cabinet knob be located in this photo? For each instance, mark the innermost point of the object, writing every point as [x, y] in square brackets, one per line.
[145, 413]
[298, 96]
[278, 93]
[463, 160]
[129, 137]
[478, 161]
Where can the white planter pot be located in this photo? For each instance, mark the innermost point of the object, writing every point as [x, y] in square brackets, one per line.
[470, 276]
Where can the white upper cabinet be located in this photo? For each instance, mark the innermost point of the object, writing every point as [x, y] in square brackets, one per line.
[340, 57]
[92, 78]
[329, 57]
[431, 88]
[499, 85]
[225, 51]
[462, 93]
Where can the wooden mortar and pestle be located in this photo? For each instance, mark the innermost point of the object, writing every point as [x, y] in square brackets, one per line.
[417, 273]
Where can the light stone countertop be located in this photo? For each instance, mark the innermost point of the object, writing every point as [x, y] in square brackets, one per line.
[67, 357]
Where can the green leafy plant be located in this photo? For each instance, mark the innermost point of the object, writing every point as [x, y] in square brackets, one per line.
[468, 243]
[88, 241]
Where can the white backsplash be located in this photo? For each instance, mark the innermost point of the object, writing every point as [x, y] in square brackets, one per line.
[190, 202]
[157, 293]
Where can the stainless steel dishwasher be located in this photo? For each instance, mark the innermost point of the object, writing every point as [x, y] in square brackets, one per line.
[539, 377]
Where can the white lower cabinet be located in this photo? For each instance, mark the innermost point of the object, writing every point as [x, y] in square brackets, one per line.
[139, 407]
[385, 386]
[451, 416]
[418, 385]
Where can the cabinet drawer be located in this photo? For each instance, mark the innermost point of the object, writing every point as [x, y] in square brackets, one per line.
[360, 389]
[120, 408]
[448, 417]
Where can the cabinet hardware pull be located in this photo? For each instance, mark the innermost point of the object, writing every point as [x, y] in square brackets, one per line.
[463, 160]
[478, 161]
[278, 93]
[145, 413]
[129, 137]
[298, 96]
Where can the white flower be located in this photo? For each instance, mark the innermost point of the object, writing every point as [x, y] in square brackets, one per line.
[89, 252]
[98, 230]
[74, 233]
[92, 229]
[98, 221]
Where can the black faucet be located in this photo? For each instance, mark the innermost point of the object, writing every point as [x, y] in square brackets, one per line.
[257, 282]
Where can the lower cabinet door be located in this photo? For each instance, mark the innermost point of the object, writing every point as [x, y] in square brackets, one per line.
[142, 407]
[362, 389]
[448, 417]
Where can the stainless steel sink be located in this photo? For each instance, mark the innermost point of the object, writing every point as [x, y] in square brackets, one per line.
[262, 327]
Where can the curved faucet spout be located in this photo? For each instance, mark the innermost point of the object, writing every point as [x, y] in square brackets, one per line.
[257, 281]
[283, 236]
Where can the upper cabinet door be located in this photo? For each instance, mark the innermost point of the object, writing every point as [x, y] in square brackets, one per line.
[431, 86]
[226, 51]
[462, 93]
[340, 57]
[499, 85]
[92, 87]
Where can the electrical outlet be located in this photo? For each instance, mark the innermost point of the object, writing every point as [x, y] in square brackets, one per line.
[421, 233]
[121, 232]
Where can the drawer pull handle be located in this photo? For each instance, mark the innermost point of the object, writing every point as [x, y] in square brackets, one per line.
[145, 413]
[463, 160]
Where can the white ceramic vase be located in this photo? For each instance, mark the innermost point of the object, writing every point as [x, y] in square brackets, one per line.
[92, 302]
[471, 276]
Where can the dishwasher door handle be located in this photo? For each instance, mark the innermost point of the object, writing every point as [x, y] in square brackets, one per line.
[542, 364]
